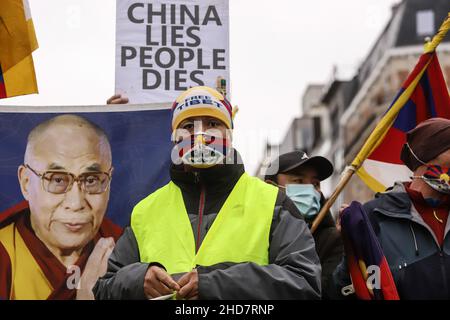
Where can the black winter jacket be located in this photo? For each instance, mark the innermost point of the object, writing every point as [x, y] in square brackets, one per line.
[420, 267]
[293, 271]
[330, 249]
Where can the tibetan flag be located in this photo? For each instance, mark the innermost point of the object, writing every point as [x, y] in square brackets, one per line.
[423, 95]
[17, 42]
[368, 267]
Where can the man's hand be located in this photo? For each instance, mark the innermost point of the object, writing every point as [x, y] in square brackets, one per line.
[158, 282]
[96, 267]
[338, 220]
[117, 99]
[188, 286]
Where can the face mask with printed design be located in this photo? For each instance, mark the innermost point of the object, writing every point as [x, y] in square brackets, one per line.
[202, 150]
[437, 177]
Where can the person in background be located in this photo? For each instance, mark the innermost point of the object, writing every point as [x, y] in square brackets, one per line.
[410, 219]
[300, 176]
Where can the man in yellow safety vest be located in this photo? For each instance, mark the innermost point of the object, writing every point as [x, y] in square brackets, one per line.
[213, 232]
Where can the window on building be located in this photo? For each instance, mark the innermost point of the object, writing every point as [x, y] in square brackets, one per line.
[335, 122]
[339, 161]
[317, 125]
[425, 23]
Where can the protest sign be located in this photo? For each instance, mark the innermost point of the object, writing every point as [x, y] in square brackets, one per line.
[164, 47]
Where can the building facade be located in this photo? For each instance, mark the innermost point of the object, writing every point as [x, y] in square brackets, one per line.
[339, 116]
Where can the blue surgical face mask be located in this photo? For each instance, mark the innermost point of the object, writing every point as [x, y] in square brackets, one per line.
[306, 198]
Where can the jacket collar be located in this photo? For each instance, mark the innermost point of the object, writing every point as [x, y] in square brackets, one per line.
[395, 202]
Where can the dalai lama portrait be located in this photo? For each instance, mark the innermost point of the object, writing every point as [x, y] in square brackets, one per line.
[56, 244]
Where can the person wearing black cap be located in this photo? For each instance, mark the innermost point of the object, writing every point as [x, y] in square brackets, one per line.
[410, 219]
[300, 175]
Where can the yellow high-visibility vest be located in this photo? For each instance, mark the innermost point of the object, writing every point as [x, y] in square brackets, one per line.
[240, 232]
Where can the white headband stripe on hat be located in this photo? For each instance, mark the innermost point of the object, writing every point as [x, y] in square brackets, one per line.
[200, 112]
[201, 101]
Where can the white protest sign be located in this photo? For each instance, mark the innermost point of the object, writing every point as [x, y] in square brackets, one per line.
[163, 47]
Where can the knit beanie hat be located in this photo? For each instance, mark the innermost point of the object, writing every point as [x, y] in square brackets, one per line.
[425, 142]
[201, 101]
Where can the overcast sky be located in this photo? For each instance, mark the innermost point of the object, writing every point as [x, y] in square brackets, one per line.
[277, 48]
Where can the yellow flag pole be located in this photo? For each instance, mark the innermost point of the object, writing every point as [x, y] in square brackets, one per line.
[379, 131]
[346, 176]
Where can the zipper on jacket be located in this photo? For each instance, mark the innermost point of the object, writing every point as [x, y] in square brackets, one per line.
[201, 208]
[196, 177]
[420, 223]
[414, 238]
[444, 274]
